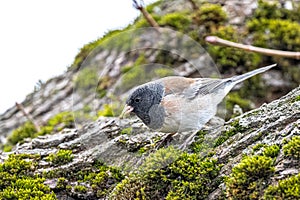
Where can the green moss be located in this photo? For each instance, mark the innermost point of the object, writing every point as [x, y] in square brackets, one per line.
[61, 157]
[292, 148]
[86, 80]
[236, 128]
[274, 10]
[194, 177]
[297, 98]
[150, 8]
[28, 188]
[178, 21]
[163, 72]
[228, 57]
[136, 75]
[258, 146]
[285, 34]
[69, 188]
[88, 48]
[61, 183]
[58, 123]
[211, 16]
[271, 151]
[200, 144]
[80, 189]
[248, 178]
[160, 159]
[27, 130]
[17, 180]
[126, 131]
[142, 22]
[285, 189]
[107, 111]
[167, 174]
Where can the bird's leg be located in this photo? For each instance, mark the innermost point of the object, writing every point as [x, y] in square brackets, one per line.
[165, 140]
[188, 141]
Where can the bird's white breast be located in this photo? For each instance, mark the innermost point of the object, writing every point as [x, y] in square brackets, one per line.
[187, 115]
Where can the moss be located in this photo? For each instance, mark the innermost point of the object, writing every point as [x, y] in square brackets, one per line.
[249, 177]
[285, 34]
[271, 151]
[61, 183]
[69, 188]
[200, 144]
[136, 75]
[163, 72]
[107, 111]
[228, 57]
[210, 15]
[142, 22]
[258, 146]
[167, 174]
[236, 128]
[86, 81]
[28, 188]
[150, 8]
[178, 21]
[88, 48]
[58, 123]
[292, 148]
[80, 189]
[126, 131]
[194, 177]
[285, 189]
[17, 180]
[297, 98]
[61, 157]
[27, 130]
[274, 10]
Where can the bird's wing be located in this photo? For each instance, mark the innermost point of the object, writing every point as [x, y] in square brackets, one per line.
[175, 85]
[203, 86]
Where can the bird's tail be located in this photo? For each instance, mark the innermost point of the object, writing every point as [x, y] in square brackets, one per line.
[240, 78]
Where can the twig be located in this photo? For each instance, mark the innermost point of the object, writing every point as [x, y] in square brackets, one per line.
[271, 52]
[148, 17]
[194, 6]
[28, 116]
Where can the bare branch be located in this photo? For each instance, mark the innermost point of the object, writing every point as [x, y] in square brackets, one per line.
[271, 52]
[140, 6]
[137, 5]
[194, 6]
[28, 116]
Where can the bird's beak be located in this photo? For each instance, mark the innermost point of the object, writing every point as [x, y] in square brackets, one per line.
[128, 109]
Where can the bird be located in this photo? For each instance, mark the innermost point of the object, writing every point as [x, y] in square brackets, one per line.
[176, 104]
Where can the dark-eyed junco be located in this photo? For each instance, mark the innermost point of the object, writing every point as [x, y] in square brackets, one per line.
[177, 104]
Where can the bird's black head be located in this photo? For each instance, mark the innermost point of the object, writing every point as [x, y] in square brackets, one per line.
[144, 98]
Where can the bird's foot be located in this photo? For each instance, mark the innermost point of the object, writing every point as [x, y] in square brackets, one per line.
[165, 140]
[188, 141]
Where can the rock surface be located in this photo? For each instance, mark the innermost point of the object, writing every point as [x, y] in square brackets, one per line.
[269, 124]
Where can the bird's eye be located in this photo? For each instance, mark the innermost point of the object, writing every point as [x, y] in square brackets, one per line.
[137, 100]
